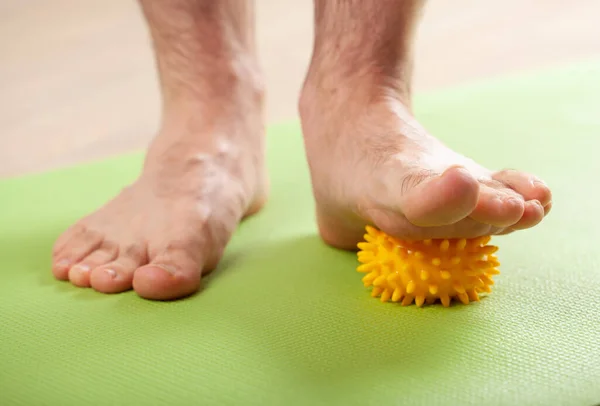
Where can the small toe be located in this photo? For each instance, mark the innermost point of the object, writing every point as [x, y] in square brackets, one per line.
[60, 269]
[527, 185]
[73, 251]
[498, 207]
[441, 200]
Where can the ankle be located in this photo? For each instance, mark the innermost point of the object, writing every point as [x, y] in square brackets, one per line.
[223, 85]
[349, 94]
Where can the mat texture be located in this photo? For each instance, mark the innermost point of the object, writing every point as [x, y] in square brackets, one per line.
[286, 320]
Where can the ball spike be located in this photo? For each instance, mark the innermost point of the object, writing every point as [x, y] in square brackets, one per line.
[369, 278]
[489, 249]
[486, 239]
[366, 246]
[473, 296]
[487, 280]
[407, 300]
[444, 245]
[386, 295]
[460, 289]
[366, 267]
[394, 276]
[379, 281]
[372, 231]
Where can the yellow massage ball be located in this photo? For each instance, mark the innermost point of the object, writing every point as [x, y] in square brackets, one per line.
[428, 270]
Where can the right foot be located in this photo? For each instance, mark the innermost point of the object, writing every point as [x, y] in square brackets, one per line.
[373, 164]
[202, 175]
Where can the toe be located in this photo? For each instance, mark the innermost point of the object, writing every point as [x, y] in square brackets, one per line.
[441, 200]
[532, 215]
[173, 274]
[72, 251]
[165, 282]
[498, 207]
[527, 185]
[117, 276]
[398, 226]
[79, 274]
[60, 269]
[60, 261]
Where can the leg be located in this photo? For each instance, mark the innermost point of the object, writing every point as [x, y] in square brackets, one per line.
[203, 172]
[370, 160]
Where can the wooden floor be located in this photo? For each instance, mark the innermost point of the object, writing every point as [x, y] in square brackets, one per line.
[77, 80]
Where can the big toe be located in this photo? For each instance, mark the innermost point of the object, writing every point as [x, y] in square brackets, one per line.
[169, 276]
[441, 200]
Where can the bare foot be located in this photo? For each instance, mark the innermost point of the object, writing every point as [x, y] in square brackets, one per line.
[162, 232]
[370, 160]
[372, 163]
[204, 171]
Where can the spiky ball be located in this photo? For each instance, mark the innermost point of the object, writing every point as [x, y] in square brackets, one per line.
[425, 271]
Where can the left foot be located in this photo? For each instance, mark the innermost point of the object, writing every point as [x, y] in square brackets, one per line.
[372, 163]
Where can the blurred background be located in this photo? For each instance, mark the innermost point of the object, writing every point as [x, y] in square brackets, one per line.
[78, 83]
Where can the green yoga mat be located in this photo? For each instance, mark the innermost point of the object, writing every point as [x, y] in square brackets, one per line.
[286, 320]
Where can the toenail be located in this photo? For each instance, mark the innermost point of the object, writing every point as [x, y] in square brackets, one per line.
[82, 268]
[111, 273]
[63, 263]
[513, 201]
[169, 269]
